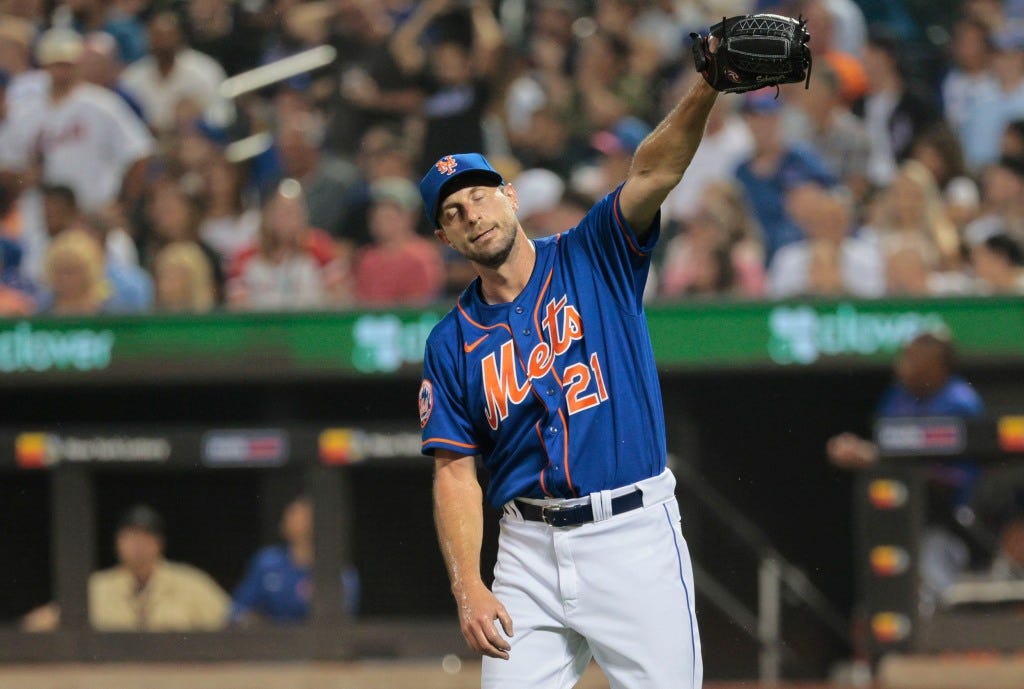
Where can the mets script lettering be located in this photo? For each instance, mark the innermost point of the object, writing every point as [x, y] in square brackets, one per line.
[561, 325]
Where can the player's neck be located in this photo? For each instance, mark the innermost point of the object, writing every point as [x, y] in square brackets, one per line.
[504, 283]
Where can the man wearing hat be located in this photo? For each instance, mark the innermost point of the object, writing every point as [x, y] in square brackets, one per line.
[145, 592]
[545, 368]
[84, 136]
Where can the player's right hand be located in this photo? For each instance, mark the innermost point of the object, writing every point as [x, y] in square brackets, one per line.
[478, 609]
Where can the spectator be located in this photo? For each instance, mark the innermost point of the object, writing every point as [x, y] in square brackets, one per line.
[173, 72]
[75, 276]
[616, 146]
[912, 206]
[606, 87]
[373, 91]
[99, 65]
[174, 216]
[727, 142]
[455, 76]
[826, 124]
[997, 104]
[400, 267]
[292, 266]
[131, 288]
[184, 281]
[1002, 201]
[927, 385]
[144, 592]
[910, 265]
[227, 225]
[88, 16]
[278, 583]
[83, 136]
[830, 261]
[999, 264]
[15, 293]
[229, 32]
[970, 75]
[774, 169]
[324, 179]
[382, 154]
[27, 85]
[894, 113]
[839, 37]
[694, 261]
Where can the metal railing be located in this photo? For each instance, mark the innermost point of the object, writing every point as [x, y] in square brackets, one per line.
[776, 577]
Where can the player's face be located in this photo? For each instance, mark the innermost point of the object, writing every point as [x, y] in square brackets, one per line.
[297, 521]
[480, 223]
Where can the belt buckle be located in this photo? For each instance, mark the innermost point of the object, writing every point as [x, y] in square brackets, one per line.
[550, 508]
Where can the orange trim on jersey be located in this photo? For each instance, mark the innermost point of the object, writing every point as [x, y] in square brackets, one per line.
[536, 321]
[458, 302]
[450, 442]
[565, 455]
[540, 437]
[621, 222]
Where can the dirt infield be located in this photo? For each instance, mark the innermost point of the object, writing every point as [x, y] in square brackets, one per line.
[364, 675]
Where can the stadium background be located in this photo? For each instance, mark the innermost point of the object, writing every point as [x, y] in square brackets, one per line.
[330, 385]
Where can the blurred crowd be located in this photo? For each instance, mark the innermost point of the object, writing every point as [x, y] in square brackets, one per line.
[132, 179]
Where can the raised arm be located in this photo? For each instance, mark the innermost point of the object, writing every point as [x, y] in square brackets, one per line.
[662, 158]
[405, 44]
[458, 515]
[487, 37]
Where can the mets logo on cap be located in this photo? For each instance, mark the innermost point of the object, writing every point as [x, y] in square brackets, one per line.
[426, 402]
[446, 165]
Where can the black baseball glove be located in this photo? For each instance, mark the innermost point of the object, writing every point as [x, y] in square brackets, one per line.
[754, 51]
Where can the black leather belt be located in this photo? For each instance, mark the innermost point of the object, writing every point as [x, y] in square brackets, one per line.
[555, 515]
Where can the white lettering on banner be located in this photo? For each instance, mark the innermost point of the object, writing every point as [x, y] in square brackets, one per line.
[801, 335]
[26, 349]
[109, 449]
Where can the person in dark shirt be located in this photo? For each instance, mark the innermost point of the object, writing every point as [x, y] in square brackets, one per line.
[278, 583]
[927, 385]
[454, 74]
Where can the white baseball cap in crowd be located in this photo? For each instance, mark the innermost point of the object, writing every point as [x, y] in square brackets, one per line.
[58, 46]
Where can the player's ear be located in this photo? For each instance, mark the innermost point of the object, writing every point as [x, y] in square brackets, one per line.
[441, 236]
[513, 196]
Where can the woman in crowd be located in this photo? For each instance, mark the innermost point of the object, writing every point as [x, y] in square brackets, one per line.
[184, 281]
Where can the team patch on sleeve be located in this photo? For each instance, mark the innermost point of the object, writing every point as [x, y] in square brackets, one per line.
[426, 402]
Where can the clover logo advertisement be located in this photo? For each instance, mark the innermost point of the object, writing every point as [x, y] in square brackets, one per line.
[802, 335]
[28, 349]
[384, 342]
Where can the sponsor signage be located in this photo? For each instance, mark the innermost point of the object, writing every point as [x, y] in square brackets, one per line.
[887, 494]
[802, 334]
[36, 450]
[26, 348]
[890, 627]
[889, 560]
[245, 447]
[924, 436]
[1011, 433]
[347, 445]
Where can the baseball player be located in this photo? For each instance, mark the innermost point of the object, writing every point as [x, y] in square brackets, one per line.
[545, 368]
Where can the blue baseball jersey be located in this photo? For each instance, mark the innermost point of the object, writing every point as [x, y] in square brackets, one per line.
[556, 390]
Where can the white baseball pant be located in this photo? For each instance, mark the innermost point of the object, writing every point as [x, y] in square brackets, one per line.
[619, 589]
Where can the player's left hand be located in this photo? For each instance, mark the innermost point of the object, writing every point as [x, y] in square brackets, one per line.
[478, 609]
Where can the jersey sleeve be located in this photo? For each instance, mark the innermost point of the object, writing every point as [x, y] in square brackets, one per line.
[444, 420]
[614, 250]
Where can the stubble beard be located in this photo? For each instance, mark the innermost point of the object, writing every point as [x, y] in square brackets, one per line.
[497, 256]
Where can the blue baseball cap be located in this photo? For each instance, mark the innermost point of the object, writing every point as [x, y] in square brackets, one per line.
[445, 171]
